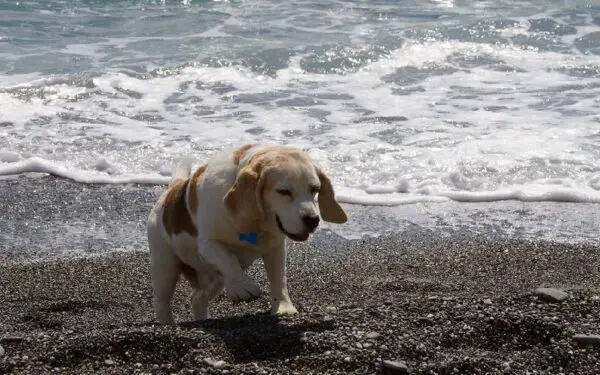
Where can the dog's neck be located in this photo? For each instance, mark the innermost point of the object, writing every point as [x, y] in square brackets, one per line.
[265, 236]
[251, 237]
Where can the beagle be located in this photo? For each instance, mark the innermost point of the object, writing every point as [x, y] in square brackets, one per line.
[210, 225]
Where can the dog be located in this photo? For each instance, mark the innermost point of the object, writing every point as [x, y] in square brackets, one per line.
[214, 221]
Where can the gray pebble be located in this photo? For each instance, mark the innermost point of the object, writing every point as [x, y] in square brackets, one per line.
[373, 335]
[393, 368]
[587, 339]
[215, 363]
[109, 362]
[551, 295]
[2, 352]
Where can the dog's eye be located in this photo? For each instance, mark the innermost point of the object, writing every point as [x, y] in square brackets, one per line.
[314, 190]
[285, 192]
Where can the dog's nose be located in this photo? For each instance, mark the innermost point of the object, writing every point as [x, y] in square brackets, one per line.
[311, 222]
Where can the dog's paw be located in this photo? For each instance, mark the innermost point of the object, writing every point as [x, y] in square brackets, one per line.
[283, 308]
[244, 289]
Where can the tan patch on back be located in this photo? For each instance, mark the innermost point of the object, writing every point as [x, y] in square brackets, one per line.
[176, 217]
[197, 177]
[238, 154]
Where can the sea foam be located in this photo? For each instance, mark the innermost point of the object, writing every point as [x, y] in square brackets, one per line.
[428, 103]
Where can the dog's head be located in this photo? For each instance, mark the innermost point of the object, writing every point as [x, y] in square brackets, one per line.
[277, 189]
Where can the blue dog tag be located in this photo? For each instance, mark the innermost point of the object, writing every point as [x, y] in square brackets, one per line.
[249, 237]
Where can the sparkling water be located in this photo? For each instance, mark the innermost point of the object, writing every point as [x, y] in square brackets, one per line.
[401, 102]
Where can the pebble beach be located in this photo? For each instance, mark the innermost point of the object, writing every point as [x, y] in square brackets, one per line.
[418, 302]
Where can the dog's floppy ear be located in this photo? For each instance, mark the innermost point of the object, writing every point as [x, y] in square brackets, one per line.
[331, 210]
[244, 201]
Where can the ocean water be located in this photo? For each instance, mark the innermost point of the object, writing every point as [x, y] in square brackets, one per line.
[401, 102]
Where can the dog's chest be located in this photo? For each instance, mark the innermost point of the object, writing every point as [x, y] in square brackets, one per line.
[246, 258]
[247, 251]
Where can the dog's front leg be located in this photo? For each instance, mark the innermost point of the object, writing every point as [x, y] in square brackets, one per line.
[276, 272]
[240, 286]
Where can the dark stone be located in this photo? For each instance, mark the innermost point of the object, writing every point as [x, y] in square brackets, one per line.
[394, 368]
[551, 295]
[587, 340]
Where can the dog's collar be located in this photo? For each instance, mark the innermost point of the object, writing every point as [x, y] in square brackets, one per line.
[249, 237]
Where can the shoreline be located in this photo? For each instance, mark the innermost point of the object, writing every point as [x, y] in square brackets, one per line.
[52, 217]
[437, 303]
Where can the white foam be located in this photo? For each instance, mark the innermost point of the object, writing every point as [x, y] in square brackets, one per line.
[370, 196]
[527, 193]
[443, 3]
[9, 156]
[38, 165]
[107, 166]
[380, 189]
[477, 134]
[355, 196]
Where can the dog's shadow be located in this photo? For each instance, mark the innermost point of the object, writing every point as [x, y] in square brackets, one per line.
[261, 337]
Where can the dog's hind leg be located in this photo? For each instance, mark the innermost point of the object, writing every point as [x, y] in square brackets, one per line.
[165, 273]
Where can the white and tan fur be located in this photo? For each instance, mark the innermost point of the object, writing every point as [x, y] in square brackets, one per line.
[194, 229]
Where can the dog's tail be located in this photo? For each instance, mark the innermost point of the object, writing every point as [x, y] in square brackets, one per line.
[183, 169]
